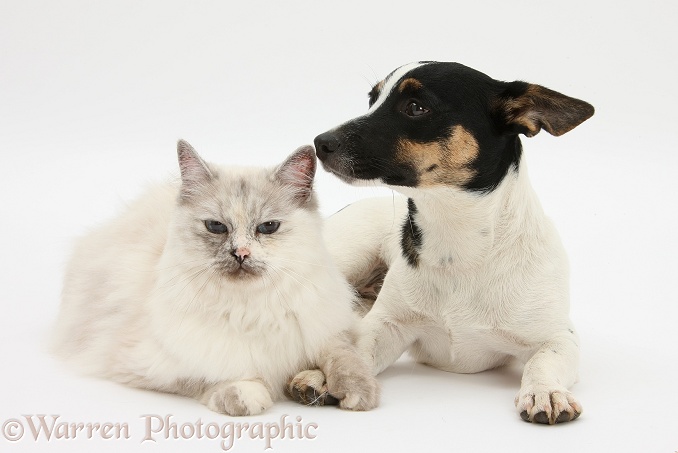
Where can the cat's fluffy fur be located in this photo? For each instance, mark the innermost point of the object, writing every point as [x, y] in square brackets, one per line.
[154, 300]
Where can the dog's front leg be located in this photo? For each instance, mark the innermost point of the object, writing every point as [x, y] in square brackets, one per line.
[385, 333]
[544, 396]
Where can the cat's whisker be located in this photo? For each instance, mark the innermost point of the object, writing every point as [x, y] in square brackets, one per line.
[304, 262]
[301, 276]
[189, 279]
[184, 276]
[183, 263]
[317, 398]
[173, 266]
[210, 275]
[189, 307]
[290, 275]
[282, 299]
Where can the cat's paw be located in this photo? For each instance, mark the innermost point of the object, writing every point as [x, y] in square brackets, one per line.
[541, 404]
[310, 389]
[239, 398]
[356, 389]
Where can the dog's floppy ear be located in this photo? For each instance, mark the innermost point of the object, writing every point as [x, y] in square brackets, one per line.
[527, 108]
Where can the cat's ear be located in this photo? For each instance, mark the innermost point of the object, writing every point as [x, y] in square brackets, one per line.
[194, 170]
[297, 172]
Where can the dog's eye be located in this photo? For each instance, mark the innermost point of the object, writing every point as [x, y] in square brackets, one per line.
[268, 227]
[414, 109]
[216, 227]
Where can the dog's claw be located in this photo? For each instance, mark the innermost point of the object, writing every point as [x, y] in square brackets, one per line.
[541, 417]
[565, 417]
[546, 406]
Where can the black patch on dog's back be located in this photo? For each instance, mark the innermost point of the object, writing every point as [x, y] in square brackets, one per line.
[411, 236]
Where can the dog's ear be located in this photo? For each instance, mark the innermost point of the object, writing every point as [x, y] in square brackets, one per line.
[527, 108]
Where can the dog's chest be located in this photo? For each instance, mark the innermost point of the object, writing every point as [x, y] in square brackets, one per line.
[466, 306]
[467, 324]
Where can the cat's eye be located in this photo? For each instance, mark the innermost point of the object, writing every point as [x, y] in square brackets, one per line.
[268, 227]
[216, 227]
[414, 109]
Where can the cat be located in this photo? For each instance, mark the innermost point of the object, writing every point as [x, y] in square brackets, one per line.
[218, 287]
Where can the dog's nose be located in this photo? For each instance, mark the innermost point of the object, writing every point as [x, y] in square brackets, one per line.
[326, 143]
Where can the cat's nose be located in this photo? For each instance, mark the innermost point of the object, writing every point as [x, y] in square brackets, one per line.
[240, 254]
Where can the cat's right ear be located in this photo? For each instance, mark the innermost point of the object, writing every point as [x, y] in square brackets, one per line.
[297, 172]
[194, 170]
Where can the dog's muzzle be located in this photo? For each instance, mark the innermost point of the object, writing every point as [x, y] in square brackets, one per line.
[332, 155]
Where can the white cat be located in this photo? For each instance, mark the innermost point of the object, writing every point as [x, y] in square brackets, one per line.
[219, 288]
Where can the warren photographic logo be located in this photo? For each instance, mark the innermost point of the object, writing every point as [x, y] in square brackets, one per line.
[156, 428]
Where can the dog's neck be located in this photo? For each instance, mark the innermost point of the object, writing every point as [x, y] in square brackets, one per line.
[459, 229]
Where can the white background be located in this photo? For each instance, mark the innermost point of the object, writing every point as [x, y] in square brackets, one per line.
[94, 95]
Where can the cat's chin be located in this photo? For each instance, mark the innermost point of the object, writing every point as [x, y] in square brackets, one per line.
[243, 274]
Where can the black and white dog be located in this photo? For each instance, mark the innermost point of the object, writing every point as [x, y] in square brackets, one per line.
[475, 273]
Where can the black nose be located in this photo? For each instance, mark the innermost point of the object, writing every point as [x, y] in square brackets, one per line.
[326, 143]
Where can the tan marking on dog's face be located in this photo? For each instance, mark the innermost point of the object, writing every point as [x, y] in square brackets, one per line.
[442, 163]
[411, 84]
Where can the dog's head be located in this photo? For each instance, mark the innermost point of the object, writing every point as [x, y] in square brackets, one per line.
[443, 124]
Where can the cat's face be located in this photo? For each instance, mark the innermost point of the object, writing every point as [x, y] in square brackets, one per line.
[246, 223]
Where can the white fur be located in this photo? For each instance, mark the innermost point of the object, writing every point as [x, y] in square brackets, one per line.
[139, 309]
[492, 283]
[390, 83]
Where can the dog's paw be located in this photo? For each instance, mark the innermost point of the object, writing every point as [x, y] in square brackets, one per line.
[541, 404]
[310, 389]
[239, 398]
[355, 390]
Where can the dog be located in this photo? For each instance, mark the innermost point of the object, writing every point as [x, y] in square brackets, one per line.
[469, 271]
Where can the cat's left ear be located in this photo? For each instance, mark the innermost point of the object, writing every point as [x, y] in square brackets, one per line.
[194, 170]
[297, 172]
